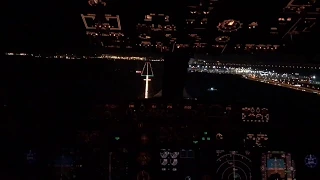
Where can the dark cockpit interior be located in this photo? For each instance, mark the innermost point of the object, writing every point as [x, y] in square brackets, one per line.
[117, 90]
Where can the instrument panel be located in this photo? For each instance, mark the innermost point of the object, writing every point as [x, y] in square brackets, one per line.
[175, 163]
[206, 26]
[155, 140]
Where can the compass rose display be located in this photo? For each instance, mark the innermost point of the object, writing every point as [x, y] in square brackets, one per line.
[311, 161]
[233, 166]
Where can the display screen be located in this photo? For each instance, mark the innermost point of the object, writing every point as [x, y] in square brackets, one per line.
[233, 165]
[277, 165]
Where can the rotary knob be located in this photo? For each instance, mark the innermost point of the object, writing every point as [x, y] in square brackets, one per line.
[144, 158]
[142, 108]
[219, 136]
[144, 139]
[108, 114]
[140, 125]
[222, 39]
[229, 25]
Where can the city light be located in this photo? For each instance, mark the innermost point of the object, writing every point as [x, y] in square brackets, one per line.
[261, 73]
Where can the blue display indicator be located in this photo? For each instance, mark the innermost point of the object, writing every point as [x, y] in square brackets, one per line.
[64, 161]
[275, 164]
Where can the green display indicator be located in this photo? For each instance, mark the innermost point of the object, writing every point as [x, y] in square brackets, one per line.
[117, 138]
[195, 142]
[205, 137]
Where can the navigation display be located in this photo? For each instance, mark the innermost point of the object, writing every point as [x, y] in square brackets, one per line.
[233, 165]
[277, 165]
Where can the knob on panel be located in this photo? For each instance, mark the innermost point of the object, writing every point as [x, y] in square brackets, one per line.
[144, 158]
[144, 139]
